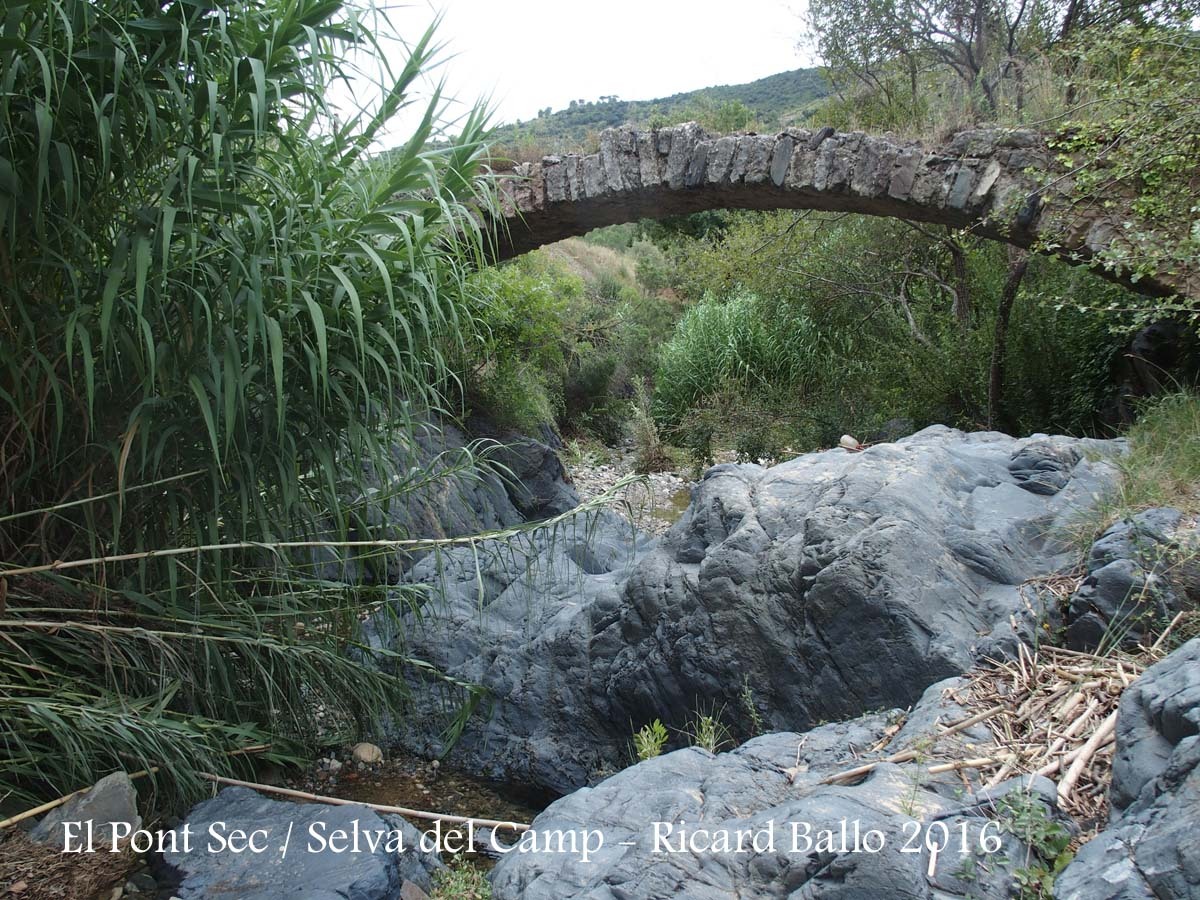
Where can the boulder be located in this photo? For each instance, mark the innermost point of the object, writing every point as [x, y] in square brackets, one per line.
[1151, 848]
[656, 829]
[810, 591]
[451, 484]
[310, 867]
[111, 800]
[1140, 572]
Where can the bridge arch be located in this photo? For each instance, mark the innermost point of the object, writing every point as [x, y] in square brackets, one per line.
[980, 179]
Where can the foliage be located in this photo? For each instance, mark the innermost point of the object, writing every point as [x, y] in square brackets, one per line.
[732, 342]
[516, 363]
[461, 880]
[567, 333]
[814, 325]
[708, 733]
[649, 740]
[650, 453]
[213, 303]
[1133, 140]
[894, 59]
[1025, 816]
[750, 709]
[1161, 468]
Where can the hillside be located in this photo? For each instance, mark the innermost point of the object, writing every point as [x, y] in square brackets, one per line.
[767, 103]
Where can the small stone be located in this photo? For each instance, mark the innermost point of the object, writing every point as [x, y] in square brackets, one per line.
[410, 891]
[141, 881]
[368, 754]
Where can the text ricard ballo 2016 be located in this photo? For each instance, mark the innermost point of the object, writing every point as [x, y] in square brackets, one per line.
[796, 837]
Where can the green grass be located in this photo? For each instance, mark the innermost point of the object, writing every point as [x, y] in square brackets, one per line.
[461, 881]
[1162, 467]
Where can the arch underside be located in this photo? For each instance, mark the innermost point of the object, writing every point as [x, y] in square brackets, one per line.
[576, 219]
[983, 180]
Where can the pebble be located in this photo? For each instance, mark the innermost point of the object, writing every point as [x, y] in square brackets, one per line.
[367, 754]
[652, 504]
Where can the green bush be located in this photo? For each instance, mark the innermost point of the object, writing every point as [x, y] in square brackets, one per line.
[841, 324]
[736, 342]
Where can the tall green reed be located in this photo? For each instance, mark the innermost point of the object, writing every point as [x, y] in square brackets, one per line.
[221, 311]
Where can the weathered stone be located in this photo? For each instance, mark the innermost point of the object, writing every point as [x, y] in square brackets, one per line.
[758, 159]
[457, 499]
[960, 189]
[574, 167]
[781, 159]
[978, 180]
[310, 869]
[907, 162]
[1151, 848]
[617, 155]
[593, 176]
[991, 173]
[367, 753]
[833, 583]
[819, 136]
[649, 161]
[1140, 573]
[720, 157]
[555, 174]
[111, 801]
[824, 166]
[770, 789]
[1043, 467]
[681, 144]
[800, 174]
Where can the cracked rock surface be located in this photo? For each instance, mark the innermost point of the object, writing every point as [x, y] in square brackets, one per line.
[811, 591]
[770, 790]
[1151, 848]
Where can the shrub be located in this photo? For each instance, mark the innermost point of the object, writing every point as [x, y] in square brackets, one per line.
[649, 740]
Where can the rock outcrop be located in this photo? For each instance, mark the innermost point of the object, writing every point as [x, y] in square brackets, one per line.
[1140, 572]
[660, 823]
[1151, 848]
[811, 591]
[295, 852]
[452, 484]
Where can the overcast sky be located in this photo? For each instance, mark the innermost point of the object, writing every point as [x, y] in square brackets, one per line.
[530, 54]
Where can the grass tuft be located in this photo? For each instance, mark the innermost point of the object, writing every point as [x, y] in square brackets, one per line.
[1161, 468]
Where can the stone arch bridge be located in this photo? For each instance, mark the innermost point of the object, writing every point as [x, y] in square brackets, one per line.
[981, 179]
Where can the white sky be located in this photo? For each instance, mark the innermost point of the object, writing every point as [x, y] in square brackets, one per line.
[529, 54]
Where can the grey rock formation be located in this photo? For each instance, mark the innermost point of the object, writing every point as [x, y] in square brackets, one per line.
[814, 590]
[1151, 848]
[441, 492]
[1139, 574]
[770, 791]
[112, 800]
[981, 178]
[310, 868]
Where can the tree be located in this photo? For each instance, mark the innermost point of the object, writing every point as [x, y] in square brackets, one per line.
[886, 45]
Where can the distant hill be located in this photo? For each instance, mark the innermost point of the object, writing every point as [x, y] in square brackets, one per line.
[765, 104]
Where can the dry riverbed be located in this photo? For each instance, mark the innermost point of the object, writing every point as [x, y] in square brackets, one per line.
[653, 505]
